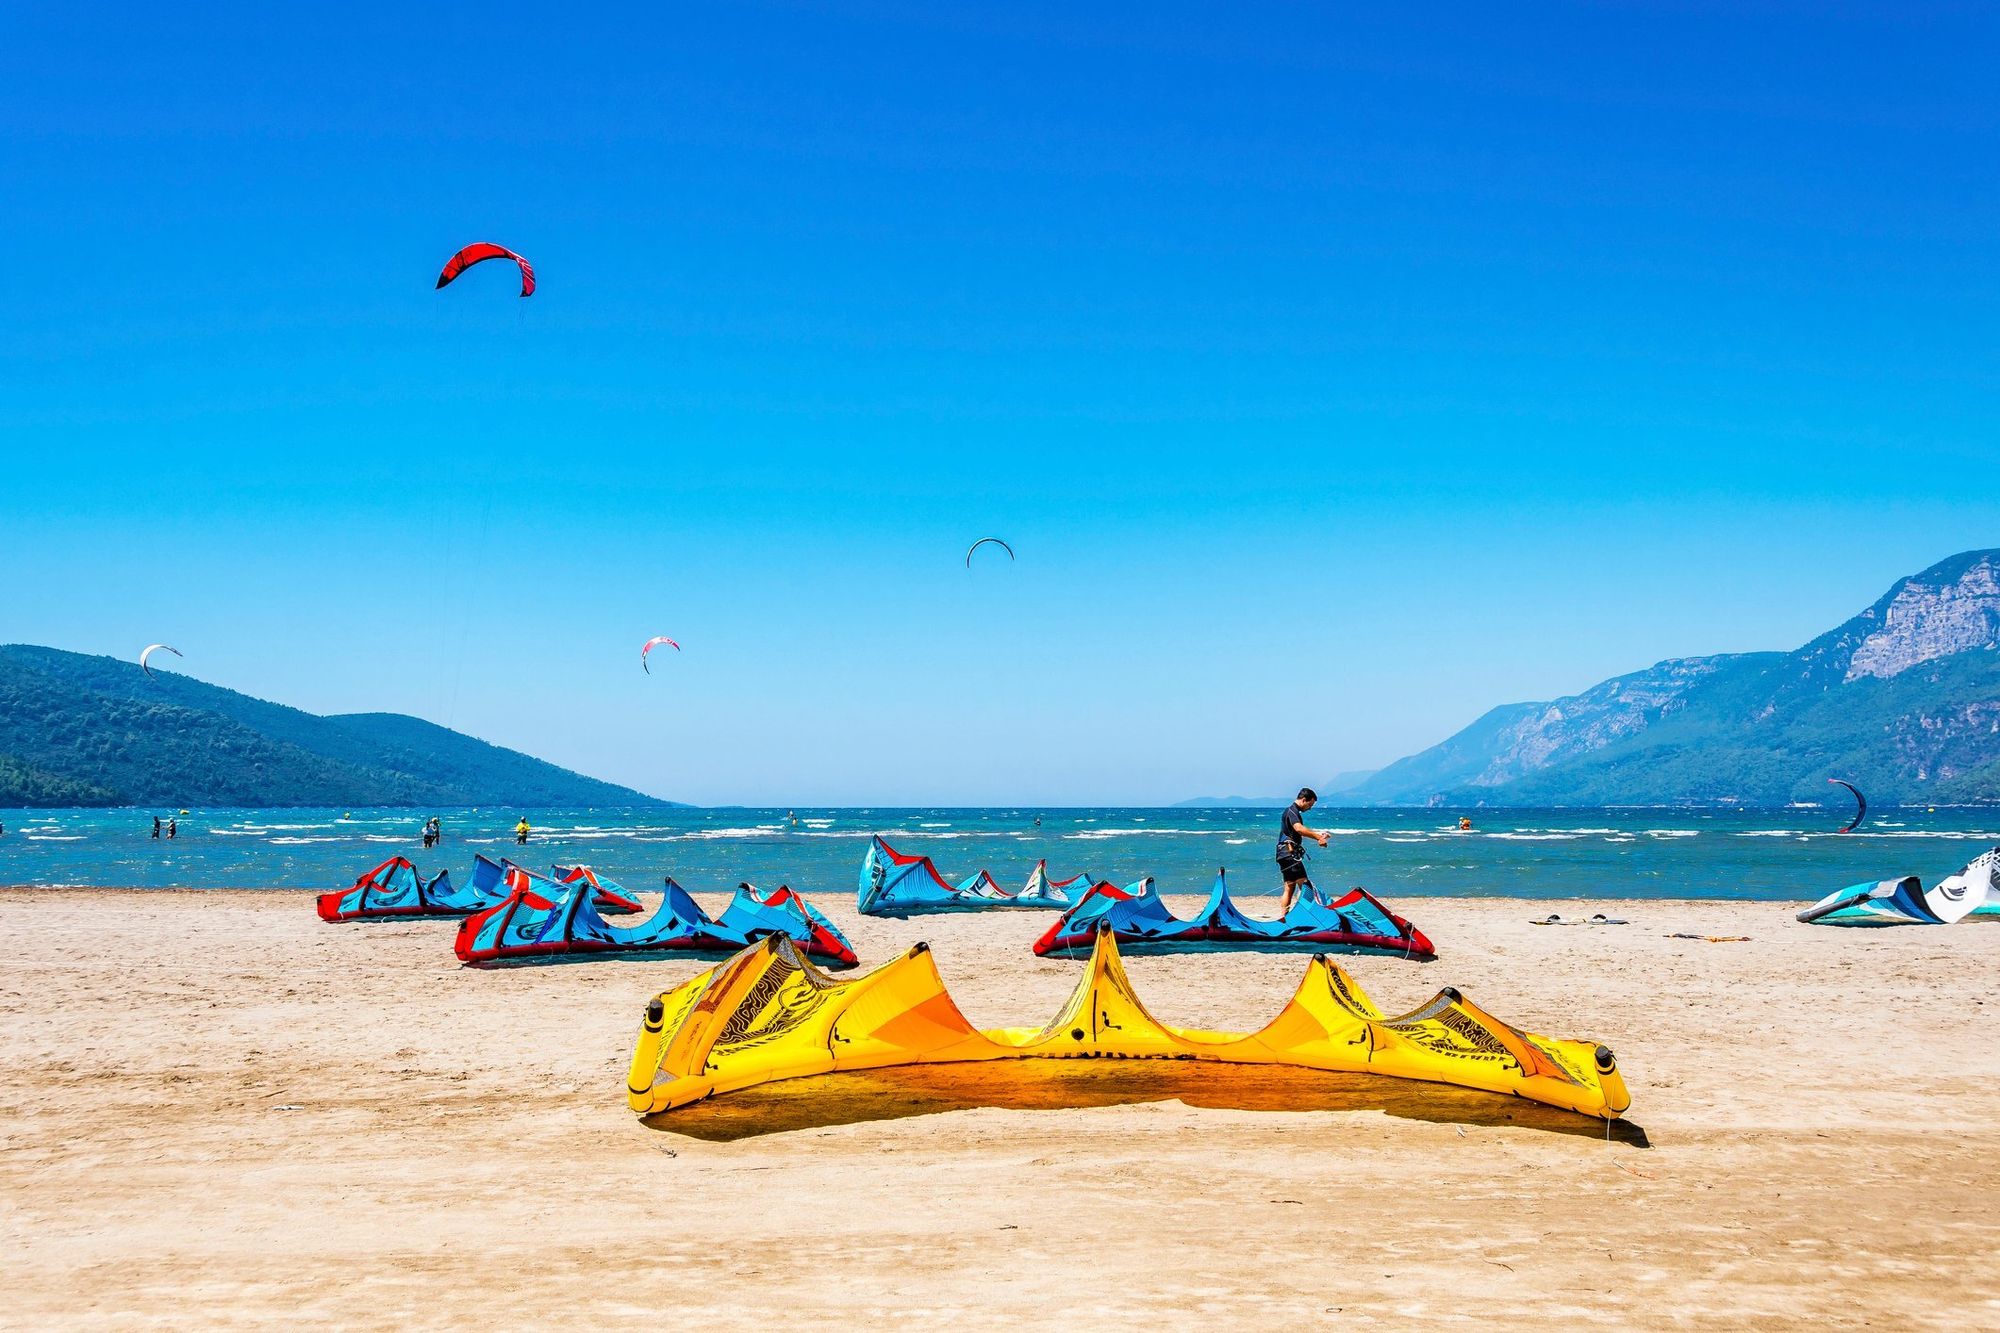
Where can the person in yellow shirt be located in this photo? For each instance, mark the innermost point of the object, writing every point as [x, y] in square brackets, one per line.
[521, 832]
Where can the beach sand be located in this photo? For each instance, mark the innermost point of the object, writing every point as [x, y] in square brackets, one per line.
[218, 1109]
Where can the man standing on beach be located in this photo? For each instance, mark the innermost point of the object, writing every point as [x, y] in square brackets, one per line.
[1292, 834]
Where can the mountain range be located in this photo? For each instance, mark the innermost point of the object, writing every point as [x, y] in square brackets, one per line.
[77, 730]
[1902, 699]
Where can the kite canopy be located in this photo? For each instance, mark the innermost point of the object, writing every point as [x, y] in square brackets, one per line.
[152, 648]
[1973, 891]
[395, 889]
[530, 925]
[894, 883]
[652, 644]
[983, 541]
[1860, 804]
[496, 880]
[1357, 922]
[478, 253]
[768, 1014]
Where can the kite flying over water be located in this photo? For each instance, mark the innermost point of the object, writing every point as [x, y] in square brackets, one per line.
[981, 542]
[481, 251]
[652, 644]
[152, 648]
[1860, 801]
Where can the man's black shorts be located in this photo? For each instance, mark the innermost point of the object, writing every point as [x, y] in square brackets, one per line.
[1291, 865]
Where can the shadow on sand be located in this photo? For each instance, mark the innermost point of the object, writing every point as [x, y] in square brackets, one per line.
[899, 1093]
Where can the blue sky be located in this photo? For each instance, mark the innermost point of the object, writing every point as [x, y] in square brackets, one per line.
[1335, 375]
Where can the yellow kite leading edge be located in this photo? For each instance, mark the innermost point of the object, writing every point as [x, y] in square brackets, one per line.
[768, 1014]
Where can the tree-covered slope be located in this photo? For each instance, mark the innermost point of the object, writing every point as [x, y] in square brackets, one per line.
[1903, 698]
[80, 730]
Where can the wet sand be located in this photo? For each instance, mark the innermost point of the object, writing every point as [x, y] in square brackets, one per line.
[216, 1109]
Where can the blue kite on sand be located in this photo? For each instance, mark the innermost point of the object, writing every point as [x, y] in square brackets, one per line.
[1973, 891]
[540, 918]
[897, 883]
[1356, 922]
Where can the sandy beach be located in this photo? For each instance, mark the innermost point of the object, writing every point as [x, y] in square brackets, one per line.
[220, 1110]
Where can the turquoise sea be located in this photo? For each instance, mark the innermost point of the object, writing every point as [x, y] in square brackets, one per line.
[1779, 854]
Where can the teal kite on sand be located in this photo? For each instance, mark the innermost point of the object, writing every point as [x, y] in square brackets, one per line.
[1973, 891]
[899, 884]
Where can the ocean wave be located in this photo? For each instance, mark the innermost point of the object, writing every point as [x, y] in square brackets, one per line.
[1101, 833]
[1971, 835]
[1534, 837]
[712, 834]
[1234, 842]
[1129, 833]
[54, 837]
[1673, 833]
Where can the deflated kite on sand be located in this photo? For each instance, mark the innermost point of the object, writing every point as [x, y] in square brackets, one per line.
[1973, 891]
[898, 884]
[535, 923]
[768, 1014]
[1356, 922]
[395, 889]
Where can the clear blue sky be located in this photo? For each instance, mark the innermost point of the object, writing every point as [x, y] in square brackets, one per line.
[1337, 374]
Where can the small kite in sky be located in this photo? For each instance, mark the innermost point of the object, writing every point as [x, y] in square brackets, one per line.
[478, 253]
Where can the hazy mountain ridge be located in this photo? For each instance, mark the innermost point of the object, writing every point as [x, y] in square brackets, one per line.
[1903, 697]
[82, 730]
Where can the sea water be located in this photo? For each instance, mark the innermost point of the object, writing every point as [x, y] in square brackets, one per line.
[1595, 854]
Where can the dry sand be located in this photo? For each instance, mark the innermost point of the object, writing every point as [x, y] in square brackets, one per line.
[218, 1109]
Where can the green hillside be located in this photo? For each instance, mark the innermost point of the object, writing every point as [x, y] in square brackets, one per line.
[80, 730]
[1903, 698]
[1924, 735]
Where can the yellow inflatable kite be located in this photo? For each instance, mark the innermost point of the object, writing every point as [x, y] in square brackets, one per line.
[768, 1014]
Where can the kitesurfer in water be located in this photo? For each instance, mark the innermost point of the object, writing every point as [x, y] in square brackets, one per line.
[1292, 835]
[156, 826]
[521, 831]
[173, 828]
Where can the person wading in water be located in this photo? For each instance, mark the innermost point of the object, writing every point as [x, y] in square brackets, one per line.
[1292, 835]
